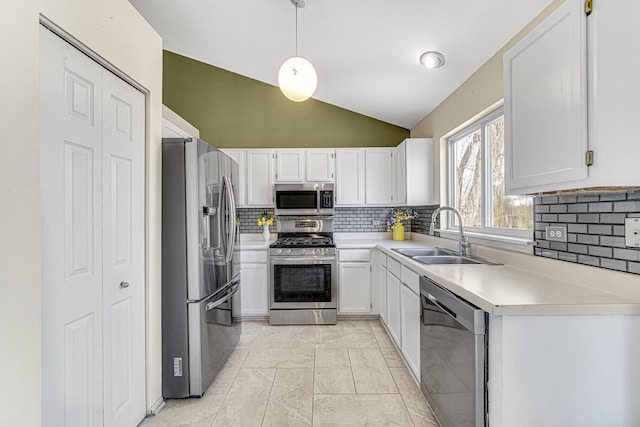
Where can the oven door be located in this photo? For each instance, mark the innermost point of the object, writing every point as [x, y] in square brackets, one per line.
[297, 283]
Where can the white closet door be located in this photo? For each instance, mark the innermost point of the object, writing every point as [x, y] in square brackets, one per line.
[92, 210]
[71, 198]
[123, 137]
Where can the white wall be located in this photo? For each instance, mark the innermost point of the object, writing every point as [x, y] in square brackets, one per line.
[114, 30]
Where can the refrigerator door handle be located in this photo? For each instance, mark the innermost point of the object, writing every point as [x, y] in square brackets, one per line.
[235, 285]
[232, 218]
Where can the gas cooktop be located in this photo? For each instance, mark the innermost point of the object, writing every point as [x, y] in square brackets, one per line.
[313, 241]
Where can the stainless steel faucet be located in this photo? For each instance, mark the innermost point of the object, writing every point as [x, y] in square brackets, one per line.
[464, 243]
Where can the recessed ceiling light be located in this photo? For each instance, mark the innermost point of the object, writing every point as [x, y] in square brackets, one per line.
[432, 59]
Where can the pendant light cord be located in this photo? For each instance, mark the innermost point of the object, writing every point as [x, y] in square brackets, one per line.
[296, 6]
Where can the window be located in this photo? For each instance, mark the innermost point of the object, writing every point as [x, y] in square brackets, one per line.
[476, 181]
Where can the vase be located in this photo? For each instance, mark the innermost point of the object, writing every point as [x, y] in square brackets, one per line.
[266, 234]
[398, 231]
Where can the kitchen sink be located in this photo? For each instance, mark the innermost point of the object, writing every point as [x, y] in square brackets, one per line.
[424, 252]
[431, 256]
[445, 259]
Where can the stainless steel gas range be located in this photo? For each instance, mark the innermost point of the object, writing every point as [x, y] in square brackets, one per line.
[303, 272]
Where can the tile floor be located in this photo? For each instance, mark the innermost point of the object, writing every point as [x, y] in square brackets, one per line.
[335, 375]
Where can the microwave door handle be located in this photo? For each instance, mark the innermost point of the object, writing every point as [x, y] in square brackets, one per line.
[318, 199]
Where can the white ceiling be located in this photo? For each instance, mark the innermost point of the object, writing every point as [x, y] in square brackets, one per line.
[366, 52]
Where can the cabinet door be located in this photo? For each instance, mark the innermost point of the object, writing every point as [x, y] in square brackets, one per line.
[354, 287]
[254, 290]
[401, 174]
[545, 83]
[393, 308]
[410, 321]
[379, 177]
[259, 178]
[289, 165]
[320, 165]
[239, 156]
[349, 187]
[381, 274]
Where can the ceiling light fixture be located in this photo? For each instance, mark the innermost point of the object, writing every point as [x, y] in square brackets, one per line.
[297, 78]
[432, 59]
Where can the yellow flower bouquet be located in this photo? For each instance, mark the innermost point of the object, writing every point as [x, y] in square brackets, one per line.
[397, 216]
[265, 219]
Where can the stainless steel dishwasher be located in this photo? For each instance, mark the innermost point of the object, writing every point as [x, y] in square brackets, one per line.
[453, 357]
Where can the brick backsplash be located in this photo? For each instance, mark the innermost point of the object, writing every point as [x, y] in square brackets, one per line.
[595, 229]
[349, 220]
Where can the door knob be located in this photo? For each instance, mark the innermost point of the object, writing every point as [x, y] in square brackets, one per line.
[124, 285]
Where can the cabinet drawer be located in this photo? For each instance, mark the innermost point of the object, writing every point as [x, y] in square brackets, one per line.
[411, 279]
[354, 255]
[253, 256]
[394, 267]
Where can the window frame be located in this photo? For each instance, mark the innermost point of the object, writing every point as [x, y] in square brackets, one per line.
[486, 207]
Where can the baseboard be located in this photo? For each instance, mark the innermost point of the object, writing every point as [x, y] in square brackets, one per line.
[358, 316]
[156, 407]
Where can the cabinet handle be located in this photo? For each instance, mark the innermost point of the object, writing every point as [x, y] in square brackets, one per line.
[124, 285]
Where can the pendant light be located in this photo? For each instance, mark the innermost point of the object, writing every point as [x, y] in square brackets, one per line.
[297, 78]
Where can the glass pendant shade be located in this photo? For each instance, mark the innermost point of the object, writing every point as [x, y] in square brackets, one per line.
[297, 79]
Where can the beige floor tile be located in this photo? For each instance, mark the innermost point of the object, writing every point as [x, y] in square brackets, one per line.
[198, 412]
[253, 325]
[370, 372]
[246, 401]
[332, 357]
[333, 380]
[223, 381]
[346, 340]
[413, 398]
[355, 325]
[382, 338]
[360, 410]
[375, 324]
[291, 399]
[246, 339]
[280, 358]
[286, 338]
[392, 357]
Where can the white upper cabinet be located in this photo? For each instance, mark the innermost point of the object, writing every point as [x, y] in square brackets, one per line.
[567, 95]
[350, 177]
[320, 165]
[414, 172]
[290, 165]
[259, 178]
[240, 157]
[546, 103]
[379, 176]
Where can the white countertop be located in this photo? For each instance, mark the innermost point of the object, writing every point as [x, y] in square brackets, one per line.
[524, 285]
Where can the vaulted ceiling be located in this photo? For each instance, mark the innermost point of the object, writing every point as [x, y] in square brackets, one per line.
[366, 52]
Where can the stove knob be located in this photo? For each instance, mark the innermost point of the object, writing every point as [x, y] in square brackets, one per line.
[303, 250]
[278, 251]
[317, 251]
[326, 250]
[288, 251]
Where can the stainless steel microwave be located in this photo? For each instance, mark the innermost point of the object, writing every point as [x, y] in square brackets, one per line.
[304, 199]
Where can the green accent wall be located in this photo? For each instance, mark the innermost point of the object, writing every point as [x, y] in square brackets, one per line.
[231, 110]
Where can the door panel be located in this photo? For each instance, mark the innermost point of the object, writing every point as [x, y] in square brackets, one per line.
[70, 199]
[123, 225]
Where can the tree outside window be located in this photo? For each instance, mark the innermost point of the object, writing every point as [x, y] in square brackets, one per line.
[477, 181]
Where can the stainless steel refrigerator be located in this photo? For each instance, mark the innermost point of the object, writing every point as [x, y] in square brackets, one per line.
[199, 282]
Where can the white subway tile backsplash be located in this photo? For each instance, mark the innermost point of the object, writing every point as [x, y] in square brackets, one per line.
[595, 227]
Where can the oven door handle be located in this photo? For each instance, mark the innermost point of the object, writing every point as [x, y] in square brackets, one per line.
[302, 261]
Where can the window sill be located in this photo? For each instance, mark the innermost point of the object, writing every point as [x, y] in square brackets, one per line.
[515, 244]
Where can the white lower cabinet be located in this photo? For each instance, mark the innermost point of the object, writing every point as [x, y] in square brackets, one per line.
[354, 281]
[410, 321]
[354, 291]
[393, 308]
[254, 284]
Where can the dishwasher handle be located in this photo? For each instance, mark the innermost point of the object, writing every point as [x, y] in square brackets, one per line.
[441, 306]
